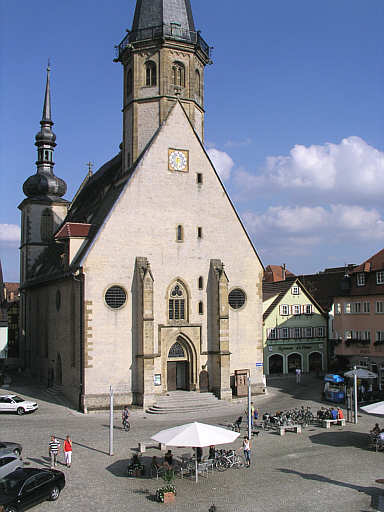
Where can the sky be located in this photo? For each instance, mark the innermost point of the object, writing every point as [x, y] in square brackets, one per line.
[294, 115]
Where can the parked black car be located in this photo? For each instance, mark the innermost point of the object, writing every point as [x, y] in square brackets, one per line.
[29, 486]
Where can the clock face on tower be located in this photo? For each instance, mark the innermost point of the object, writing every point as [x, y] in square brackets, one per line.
[178, 160]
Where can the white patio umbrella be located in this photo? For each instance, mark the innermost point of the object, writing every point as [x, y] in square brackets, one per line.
[195, 435]
[377, 408]
[358, 373]
[361, 373]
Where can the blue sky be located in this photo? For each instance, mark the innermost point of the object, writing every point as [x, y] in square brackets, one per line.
[294, 114]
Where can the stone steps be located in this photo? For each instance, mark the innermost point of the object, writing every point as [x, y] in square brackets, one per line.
[184, 401]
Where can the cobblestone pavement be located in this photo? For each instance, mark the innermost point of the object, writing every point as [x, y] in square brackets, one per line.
[319, 470]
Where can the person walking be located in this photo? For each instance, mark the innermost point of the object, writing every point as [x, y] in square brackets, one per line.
[247, 451]
[54, 448]
[298, 375]
[68, 451]
[252, 413]
[124, 417]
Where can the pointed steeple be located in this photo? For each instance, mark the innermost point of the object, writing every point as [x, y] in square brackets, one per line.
[44, 182]
[47, 98]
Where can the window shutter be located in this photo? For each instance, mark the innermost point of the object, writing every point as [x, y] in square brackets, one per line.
[281, 309]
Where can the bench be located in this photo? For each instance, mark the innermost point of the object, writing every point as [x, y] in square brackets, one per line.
[143, 445]
[328, 423]
[294, 428]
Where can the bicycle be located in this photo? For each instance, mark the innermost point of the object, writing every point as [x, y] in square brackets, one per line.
[229, 459]
[126, 425]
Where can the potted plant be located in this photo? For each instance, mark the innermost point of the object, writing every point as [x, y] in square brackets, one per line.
[136, 468]
[167, 493]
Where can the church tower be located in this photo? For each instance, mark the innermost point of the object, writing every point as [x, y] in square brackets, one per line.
[163, 57]
[43, 210]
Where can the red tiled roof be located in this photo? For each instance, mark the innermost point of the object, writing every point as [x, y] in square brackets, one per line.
[73, 229]
[375, 262]
[274, 273]
[12, 288]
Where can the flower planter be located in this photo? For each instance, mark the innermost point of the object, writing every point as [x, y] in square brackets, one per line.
[169, 497]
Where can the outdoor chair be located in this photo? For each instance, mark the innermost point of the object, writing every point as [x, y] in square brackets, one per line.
[156, 471]
[202, 468]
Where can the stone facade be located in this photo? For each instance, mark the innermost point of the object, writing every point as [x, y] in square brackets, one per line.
[141, 301]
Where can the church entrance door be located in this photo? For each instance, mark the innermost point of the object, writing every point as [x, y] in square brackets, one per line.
[177, 375]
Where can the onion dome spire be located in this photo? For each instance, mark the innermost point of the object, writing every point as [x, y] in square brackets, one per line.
[44, 182]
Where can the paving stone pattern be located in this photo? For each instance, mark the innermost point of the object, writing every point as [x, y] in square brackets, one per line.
[319, 470]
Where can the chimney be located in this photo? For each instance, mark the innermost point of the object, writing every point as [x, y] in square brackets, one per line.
[283, 271]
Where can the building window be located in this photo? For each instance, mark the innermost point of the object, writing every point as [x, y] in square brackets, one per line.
[199, 232]
[272, 334]
[356, 307]
[308, 332]
[347, 308]
[297, 332]
[201, 308]
[150, 74]
[180, 233]
[46, 226]
[360, 279]
[308, 309]
[197, 84]
[379, 306]
[347, 335]
[236, 298]
[200, 283]
[366, 307]
[115, 297]
[295, 290]
[337, 309]
[379, 335]
[284, 310]
[321, 332]
[380, 277]
[176, 350]
[199, 178]
[296, 309]
[366, 335]
[176, 303]
[178, 74]
[129, 82]
[285, 332]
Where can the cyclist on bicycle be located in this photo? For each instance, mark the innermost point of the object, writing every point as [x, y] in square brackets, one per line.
[124, 417]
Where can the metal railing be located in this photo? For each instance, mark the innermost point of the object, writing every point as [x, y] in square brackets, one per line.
[172, 31]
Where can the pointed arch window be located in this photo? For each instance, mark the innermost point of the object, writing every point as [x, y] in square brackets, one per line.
[150, 74]
[198, 85]
[46, 225]
[177, 303]
[129, 81]
[180, 233]
[176, 350]
[200, 283]
[178, 74]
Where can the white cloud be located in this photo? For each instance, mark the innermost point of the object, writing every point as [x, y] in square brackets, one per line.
[311, 226]
[349, 171]
[222, 161]
[9, 233]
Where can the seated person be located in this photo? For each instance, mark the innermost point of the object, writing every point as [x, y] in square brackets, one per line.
[340, 414]
[168, 460]
[199, 454]
[381, 439]
[376, 429]
[333, 414]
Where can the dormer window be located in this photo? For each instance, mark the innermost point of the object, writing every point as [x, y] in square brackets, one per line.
[361, 279]
[380, 277]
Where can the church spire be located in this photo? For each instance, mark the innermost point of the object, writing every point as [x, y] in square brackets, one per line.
[44, 182]
[47, 98]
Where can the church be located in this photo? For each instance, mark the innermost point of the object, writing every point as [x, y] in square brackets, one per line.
[146, 280]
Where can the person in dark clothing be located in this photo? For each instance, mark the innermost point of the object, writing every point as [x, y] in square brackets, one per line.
[212, 452]
[168, 460]
[199, 454]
